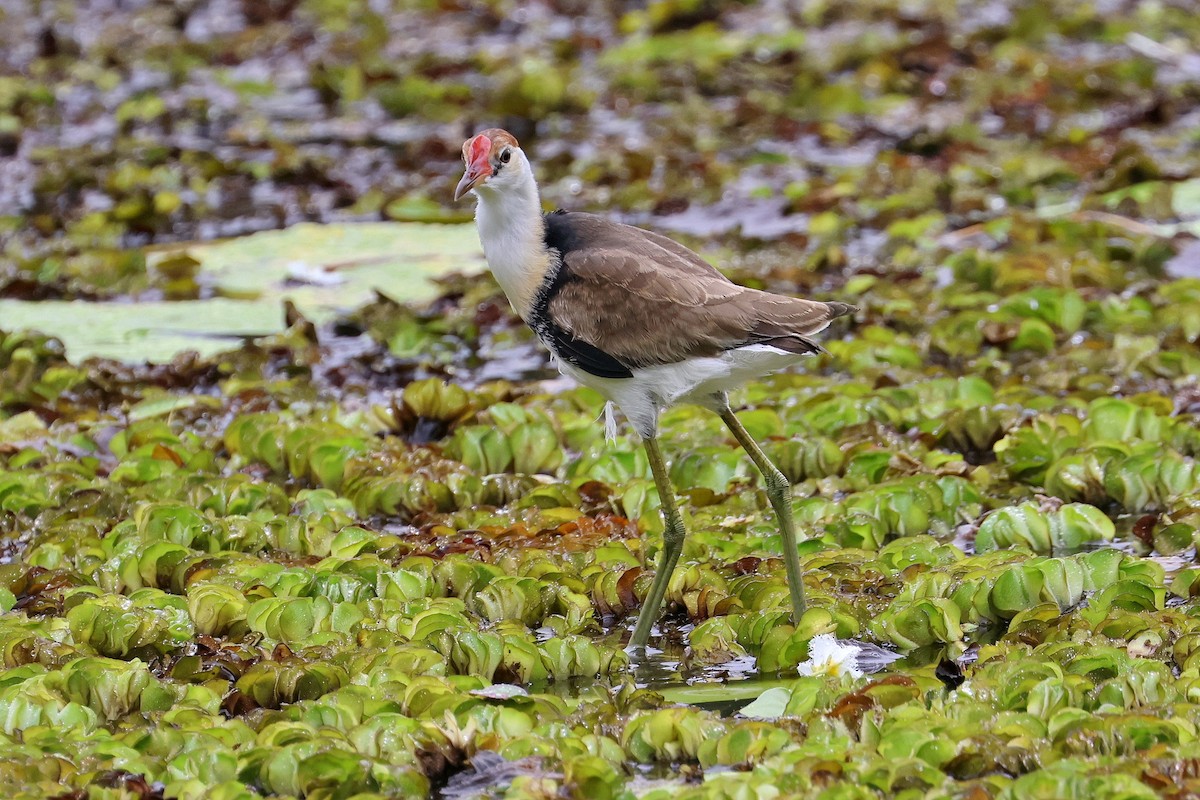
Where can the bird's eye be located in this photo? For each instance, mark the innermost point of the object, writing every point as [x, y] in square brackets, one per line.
[505, 155]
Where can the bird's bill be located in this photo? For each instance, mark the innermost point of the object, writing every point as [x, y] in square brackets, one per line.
[476, 152]
[470, 179]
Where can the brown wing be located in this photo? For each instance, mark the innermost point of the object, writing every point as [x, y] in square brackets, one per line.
[645, 300]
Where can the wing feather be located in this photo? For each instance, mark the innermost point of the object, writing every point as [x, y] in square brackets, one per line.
[643, 299]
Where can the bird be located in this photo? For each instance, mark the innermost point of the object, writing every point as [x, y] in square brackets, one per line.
[645, 322]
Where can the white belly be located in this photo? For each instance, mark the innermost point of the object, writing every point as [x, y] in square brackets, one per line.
[696, 380]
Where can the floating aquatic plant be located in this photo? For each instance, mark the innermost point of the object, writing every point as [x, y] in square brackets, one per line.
[1068, 528]
[344, 560]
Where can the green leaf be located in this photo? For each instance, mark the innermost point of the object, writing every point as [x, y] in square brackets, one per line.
[253, 276]
[771, 704]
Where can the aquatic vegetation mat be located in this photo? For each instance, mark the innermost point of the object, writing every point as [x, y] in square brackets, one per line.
[368, 544]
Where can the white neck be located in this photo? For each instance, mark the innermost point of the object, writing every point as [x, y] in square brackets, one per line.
[509, 219]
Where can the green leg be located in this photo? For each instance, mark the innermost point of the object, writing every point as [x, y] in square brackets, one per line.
[673, 535]
[779, 490]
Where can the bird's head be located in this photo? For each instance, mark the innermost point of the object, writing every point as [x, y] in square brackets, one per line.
[494, 162]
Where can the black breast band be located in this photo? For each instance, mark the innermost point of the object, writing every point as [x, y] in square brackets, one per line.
[561, 239]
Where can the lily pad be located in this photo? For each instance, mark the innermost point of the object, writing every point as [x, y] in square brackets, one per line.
[322, 269]
[154, 331]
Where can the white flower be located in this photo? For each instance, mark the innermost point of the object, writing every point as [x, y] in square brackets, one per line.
[828, 656]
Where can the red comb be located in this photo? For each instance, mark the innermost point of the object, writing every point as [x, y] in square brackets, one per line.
[481, 146]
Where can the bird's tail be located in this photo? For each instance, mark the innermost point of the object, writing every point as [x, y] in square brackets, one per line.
[790, 322]
[837, 309]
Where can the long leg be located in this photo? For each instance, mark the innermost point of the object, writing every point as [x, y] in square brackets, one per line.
[779, 491]
[673, 534]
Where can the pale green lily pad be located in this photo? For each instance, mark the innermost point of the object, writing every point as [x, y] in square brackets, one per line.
[398, 259]
[322, 269]
[145, 331]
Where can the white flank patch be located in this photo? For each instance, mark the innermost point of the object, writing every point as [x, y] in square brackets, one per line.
[696, 380]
